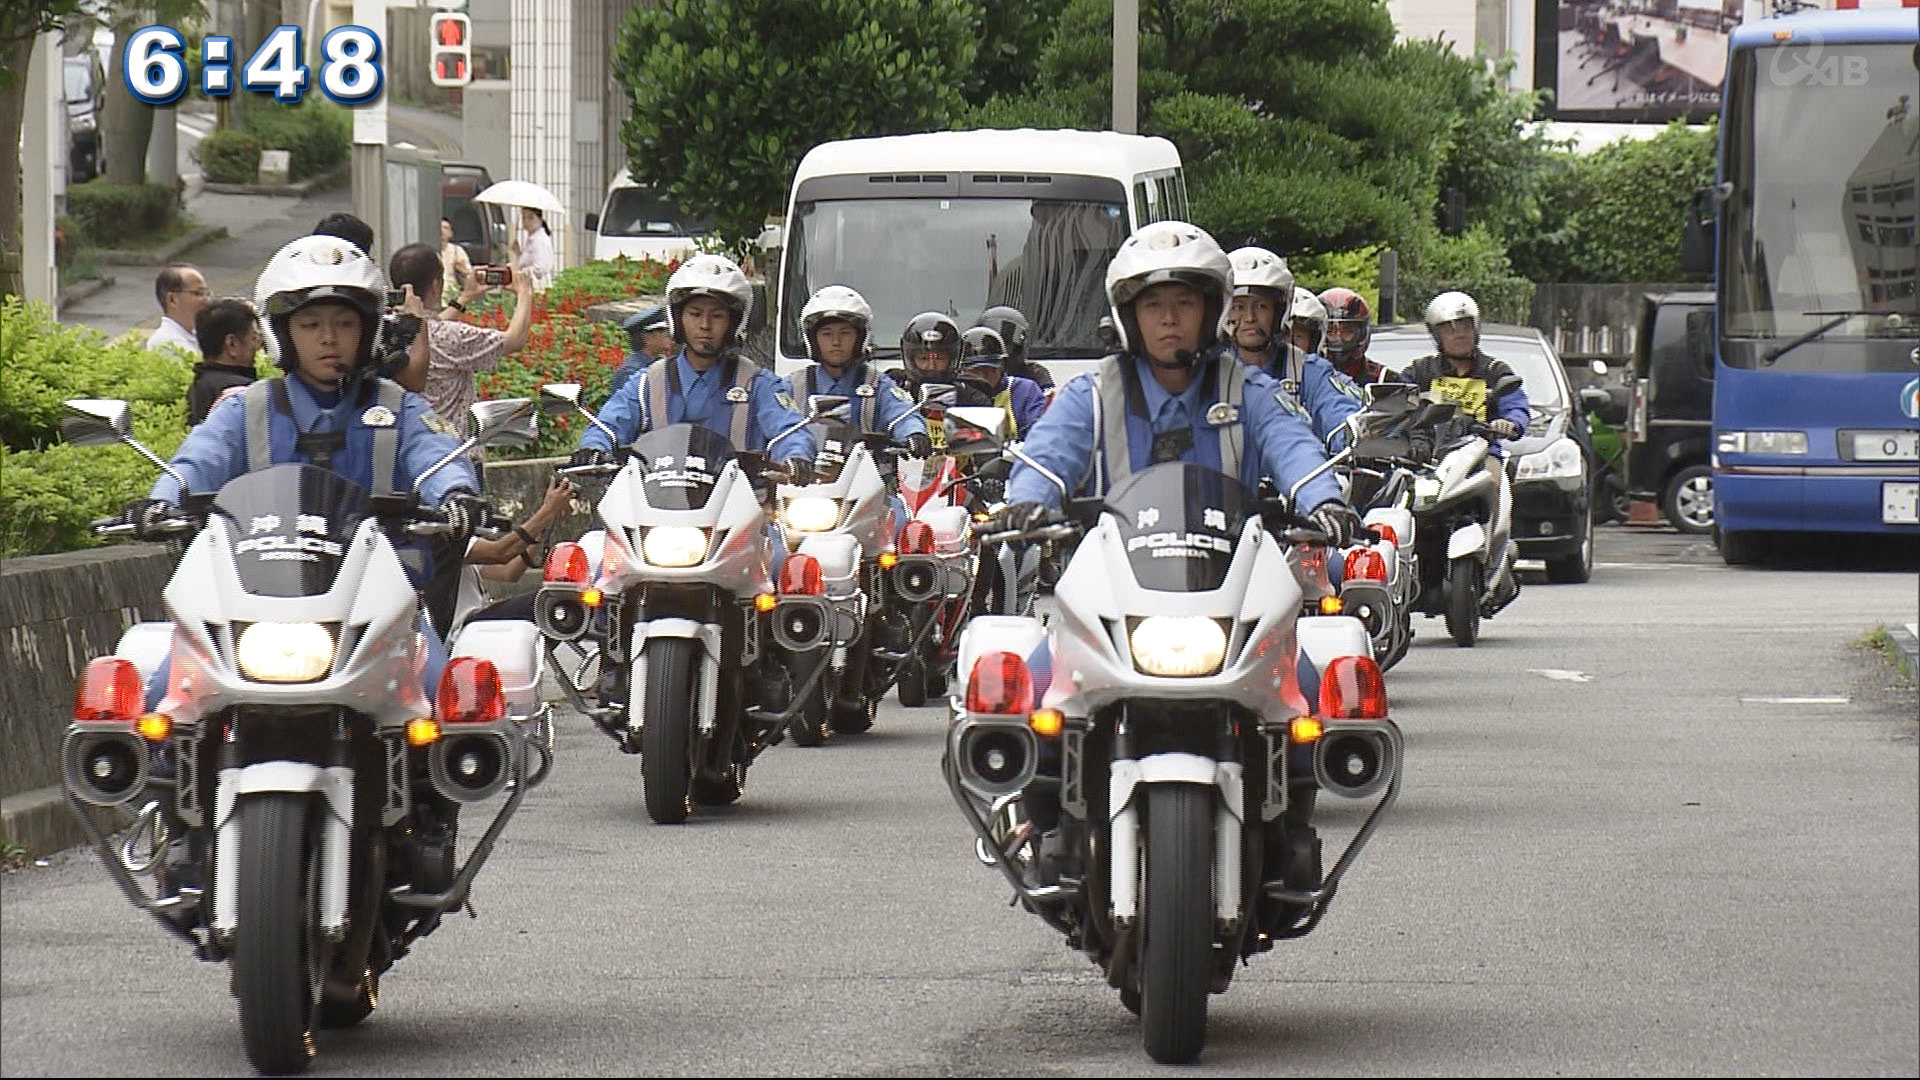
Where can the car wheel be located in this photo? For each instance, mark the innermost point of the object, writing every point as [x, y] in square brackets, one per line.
[1577, 568]
[1687, 500]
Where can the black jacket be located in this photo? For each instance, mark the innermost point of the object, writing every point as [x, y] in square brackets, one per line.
[210, 380]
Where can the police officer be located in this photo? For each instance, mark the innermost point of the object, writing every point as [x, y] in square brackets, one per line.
[837, 324]
[1479, 386]
[1013, 329]
[984, 360]
[1257, 319]
[1171, 395]
[649, 336]
[1307, 324]
[708, 381]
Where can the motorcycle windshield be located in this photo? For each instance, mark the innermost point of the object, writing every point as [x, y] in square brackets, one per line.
[293, 524]
[835, 442]
[680, 465]
[1179, 523]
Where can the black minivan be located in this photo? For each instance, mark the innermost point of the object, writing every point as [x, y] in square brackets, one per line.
[1670, 422]
[86, 98]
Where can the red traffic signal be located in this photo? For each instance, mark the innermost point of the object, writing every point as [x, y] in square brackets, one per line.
[452, 49]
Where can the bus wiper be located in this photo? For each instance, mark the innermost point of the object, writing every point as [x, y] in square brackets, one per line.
[1773, 354]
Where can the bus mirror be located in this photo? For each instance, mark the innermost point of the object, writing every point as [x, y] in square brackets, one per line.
[1696, 244]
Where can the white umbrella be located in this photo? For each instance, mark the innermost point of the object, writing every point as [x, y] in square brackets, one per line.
[521, 193]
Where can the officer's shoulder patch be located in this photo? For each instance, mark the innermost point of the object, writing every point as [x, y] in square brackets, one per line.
[902, 395]
[1286, 402]
[781, 394]
[436, 423]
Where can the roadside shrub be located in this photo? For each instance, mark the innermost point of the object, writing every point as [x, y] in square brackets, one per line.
[1474, 262]
[316, 134]
[107, 213]
[229, 156]
[50, 491]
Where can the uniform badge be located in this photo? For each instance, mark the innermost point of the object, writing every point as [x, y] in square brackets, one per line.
[1221, 413]
[863, 390]
[380, 416]
[737, 395]
[434, 421]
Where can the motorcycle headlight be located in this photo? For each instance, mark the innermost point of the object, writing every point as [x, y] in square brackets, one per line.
[1178, 645]
[285, 652]
[674, 545]
[811, 513]
[1560, 459]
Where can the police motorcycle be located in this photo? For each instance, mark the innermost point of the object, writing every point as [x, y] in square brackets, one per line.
[1462, 507]
[930, 585]
[675, 589]
[290, 792]
[840, 533]
[1380, 573]
[1129, 765]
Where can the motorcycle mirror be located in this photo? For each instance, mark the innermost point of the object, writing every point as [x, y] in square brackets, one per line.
[940, 395]
[507, 422]
[976, 427]
[1385, 391]
[557, 398]
[99, 421]
[827, 406]
[102, 421]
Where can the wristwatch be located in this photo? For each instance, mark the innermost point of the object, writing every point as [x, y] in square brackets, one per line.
[456, 305]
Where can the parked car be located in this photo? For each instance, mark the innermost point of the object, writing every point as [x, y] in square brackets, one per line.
[635, 222]
[1552, 463]
[481, 228]
[1670, 421]
[86, 98]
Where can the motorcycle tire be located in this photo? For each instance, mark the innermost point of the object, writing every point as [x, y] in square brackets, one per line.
[1176, 953]
[854, 718]
[1463, 601]
[345, 1008]
[912, 684]
[722, 790]
[936, 684]
[809, 726]
[275, 966]
[666, 759]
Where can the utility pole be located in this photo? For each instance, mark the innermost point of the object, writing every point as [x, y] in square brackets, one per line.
[43, 152]
[369, 163]
[1126, 66]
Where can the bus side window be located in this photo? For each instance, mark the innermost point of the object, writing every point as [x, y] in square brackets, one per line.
[1178, 183]
[1169, 206]
[1143, 206]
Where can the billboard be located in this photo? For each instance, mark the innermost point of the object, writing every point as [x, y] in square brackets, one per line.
[1642, 61]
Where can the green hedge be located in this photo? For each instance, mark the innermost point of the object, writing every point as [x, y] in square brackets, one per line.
[109, 214]
[229, 156]
[50, 491]
[1474, 262]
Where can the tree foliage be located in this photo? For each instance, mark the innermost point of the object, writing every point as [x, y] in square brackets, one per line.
[721, 112]
[1618, 214]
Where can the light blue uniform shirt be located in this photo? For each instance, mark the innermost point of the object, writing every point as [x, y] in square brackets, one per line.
[702, 400]
[1279, 441]
[216, 451]
[889, 401]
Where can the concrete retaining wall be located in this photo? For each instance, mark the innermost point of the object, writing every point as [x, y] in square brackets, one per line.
[59, 611]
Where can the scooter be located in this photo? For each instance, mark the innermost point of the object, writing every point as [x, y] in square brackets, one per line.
[1463, 509]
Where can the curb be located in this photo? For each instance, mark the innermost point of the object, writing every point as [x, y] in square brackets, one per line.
[40, 822]
[291, 191]
[83, 290]
[162, 256]
[1903, 648]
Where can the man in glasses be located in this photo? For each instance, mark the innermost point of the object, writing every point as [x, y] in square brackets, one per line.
[182, 293]
[229, 338]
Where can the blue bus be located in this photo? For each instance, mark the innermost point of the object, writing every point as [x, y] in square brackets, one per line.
[1815, 246]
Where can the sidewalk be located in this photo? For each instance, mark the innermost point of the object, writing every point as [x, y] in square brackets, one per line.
[257, 226]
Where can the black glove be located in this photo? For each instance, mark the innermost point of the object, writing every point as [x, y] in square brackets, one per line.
[800, 471]
[465, 514]
[1420, 446]
[145, 514]
[1334, 519]
[919, 445]
[1018, 517]
[1505, 428]
[589, 456]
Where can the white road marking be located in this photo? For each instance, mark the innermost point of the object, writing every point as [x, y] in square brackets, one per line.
[1835, 699]
[1561, 674]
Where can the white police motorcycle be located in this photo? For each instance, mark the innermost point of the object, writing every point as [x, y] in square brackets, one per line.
[1129, 765]
[308, 776]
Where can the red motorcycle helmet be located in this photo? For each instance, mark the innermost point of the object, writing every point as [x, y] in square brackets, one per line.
[1349, 325]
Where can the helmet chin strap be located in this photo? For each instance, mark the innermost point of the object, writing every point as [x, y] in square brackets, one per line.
[1183, 359]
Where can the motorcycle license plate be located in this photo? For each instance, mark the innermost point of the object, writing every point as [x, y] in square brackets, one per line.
[1886, 446]
[1900, 503]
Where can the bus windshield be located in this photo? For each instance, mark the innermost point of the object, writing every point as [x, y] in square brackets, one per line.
[960, 256]
[1823, 155]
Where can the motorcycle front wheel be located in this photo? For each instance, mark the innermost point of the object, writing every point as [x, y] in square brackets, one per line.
[1176, 957]
[276, 973]
[1463, 601]
[666, 759]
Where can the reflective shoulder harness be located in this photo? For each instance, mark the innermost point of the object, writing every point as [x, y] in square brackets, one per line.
[1117, 391]
[663, 377]
[863, 395]
[271, 395]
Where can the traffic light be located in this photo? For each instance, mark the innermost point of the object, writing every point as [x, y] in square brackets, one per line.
[452, 49]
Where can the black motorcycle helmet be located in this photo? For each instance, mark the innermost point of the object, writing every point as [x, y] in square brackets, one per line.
[930, 348]
[1012, 327]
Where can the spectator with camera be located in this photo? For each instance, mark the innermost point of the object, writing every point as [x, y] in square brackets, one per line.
[457, 351]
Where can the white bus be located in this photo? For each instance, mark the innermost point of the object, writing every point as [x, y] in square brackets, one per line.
[960, 221]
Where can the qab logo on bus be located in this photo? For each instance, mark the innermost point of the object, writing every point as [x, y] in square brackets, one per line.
[1910, 400]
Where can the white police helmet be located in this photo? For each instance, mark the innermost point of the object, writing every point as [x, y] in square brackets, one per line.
[1168, 251]
[312, 269]
[1450, 307]
[709, 275]
[837, 302]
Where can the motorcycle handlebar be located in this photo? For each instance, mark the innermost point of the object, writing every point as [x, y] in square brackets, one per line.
[1059, 530]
